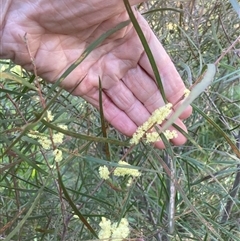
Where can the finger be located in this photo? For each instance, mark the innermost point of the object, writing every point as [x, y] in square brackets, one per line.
[144, 88]
[127, 102]
[186, 113]
[177, 141]
[172, 82]
[114, 115]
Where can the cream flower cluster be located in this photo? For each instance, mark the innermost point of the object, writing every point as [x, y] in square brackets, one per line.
[119, 171]
[186, 93]
[157, 117]
[123, 171]
[106, 229]
[58, 155]
[154, 136]
[104, 172]
[45, 141]
[114, 231]
[49, 116]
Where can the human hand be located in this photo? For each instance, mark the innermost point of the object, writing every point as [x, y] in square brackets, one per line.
[59, 31]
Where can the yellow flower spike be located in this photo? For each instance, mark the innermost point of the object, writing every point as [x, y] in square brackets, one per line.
[152, 137]
[104, 172]
[157, 117]
[121, 231]
[170, 134]
[186, 93]
[58, 138]
[58, 155]
[114, 231]
[130, 182]
[122, 171]
[163, 113]
[49, 116]
[34, 134]
[106, 229]
[45, 142]
[64, 127]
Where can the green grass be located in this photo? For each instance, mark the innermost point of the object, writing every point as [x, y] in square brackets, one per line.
[182, 192]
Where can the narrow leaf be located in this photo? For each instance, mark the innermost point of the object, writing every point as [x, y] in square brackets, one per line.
[195, 92]
[18, 79]
[235, 6]
[21, 223]
[75, 209]
[103, 124]
[146, 48]
[82, 136]
[219, 129]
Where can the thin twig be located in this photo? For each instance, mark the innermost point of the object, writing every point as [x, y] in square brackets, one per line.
[234, 190]
[15, 104]
[172, 190]
[227, 50]
[37, 78]
[150, 214]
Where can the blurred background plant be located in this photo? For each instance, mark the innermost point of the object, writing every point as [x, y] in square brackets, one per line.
[52, 189]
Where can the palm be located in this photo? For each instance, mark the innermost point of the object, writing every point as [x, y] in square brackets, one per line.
[60, 36]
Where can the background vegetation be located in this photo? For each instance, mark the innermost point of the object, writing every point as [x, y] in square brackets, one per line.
[184, 193]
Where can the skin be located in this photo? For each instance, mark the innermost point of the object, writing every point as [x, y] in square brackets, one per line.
[58, 31]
